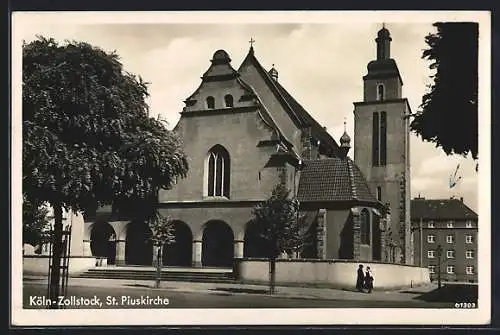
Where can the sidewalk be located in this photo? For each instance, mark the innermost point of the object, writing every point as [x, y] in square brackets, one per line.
[237, 289]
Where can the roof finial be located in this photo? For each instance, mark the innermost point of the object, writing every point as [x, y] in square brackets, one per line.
[345, 124]
[252, 41]
[383, 25]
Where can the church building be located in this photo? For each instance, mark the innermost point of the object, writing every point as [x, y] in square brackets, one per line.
[243, 133]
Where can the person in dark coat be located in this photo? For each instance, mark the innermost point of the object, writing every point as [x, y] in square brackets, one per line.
[360, 278]
[368, 280]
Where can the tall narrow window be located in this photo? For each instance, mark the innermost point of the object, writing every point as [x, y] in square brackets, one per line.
[380, 92]
[375, 140]
[228, 99]
[383, 138]
[210, 102]
[379, 139]
[379, 193]
[365, 226]
[218, 169]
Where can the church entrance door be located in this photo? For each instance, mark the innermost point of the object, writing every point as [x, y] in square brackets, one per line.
[217, 245]
[179, 253]
[138, 248]
[103, 241]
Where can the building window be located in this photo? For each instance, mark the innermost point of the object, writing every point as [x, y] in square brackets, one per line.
[210, 102]
[430, 225]
[379, 193]
[468, 239]
[218, 168]
[449, 224]
[469, 270]
[449, 239]
[365, 226]
[450, 269]
[431, 238]
[228, 99]
[379, 139]
[380, 92]
[450, 254]
[432, 269]
[468, 224]
[431, 254]
[469, 254]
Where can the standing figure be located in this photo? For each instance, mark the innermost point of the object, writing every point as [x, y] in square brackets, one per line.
[360, 278]
[369, 280]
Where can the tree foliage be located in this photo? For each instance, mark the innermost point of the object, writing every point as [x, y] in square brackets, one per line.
[36, 223]
[448, 114]
[162, 229]
[277, 221]
[87, 137]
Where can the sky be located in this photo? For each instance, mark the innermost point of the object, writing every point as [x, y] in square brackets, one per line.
[320, 64]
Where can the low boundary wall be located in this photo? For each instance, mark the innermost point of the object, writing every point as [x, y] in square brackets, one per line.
[329, 273]
[39, 264]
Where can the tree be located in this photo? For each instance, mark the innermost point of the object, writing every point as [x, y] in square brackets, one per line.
[278, 223]
[163, 233]
[448, 114]
[87, 138]
[36, 223]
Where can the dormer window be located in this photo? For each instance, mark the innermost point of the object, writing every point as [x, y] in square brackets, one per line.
[380, 92]
[228, 99]
[210, 102]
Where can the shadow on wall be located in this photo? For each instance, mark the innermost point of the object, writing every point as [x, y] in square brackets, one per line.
[346, 250]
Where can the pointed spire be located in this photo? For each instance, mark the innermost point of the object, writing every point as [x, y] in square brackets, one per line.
[345, 141]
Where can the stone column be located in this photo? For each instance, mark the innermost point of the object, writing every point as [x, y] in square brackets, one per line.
[356, 225]
[321, 234]
[120, 252]
[238, 249]
[77, 234]
[197, 246]
[86, 248]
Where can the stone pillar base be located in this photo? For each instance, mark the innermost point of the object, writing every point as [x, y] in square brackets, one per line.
[196, 265]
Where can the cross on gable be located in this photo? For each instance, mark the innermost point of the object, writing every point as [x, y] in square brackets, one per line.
[252, 41]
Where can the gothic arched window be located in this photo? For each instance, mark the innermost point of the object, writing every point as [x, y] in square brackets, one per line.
[218, 169]
[210, 102]
[364, 219]
[228, 99]
[380, 92]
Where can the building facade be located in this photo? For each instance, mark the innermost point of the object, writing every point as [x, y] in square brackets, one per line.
[445, 230]
[382, 144]
[243, 133]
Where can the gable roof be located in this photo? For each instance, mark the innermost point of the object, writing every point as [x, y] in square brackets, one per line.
[294, 109]
[333, 179]
[441, 209]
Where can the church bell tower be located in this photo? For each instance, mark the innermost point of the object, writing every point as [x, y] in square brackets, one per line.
[382, 145]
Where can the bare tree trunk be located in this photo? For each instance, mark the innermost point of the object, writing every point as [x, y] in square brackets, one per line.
[158, 267]
[272, 274]
[55, 274]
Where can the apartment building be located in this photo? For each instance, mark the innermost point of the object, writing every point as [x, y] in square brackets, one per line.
[446, 230]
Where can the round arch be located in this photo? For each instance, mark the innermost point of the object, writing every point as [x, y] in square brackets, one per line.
[138, 247]
[255, 245]
[217, 245]
[103, 241]
[179, 253]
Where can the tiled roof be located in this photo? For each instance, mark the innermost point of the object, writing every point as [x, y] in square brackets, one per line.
[333, 179]
[296, 112]
[441, 209]
[317, 130]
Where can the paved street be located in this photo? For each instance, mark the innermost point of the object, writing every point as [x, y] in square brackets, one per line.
[123, 294]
